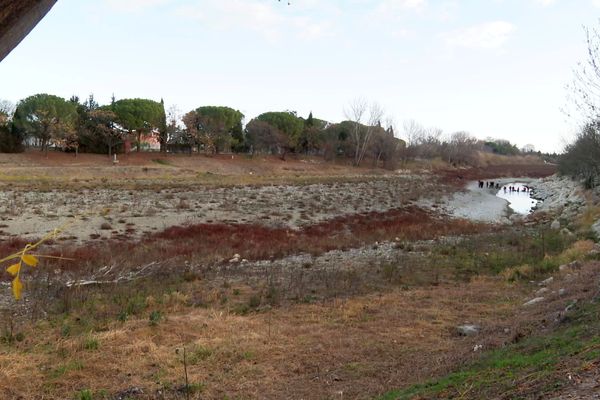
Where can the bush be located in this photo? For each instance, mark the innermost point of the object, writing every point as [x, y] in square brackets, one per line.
[581, 159]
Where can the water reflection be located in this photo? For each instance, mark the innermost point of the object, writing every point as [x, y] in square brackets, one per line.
[518, 197]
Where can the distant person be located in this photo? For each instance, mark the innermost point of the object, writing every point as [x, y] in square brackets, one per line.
[504, 189]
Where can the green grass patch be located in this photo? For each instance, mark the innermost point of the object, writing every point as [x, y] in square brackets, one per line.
[534, 360]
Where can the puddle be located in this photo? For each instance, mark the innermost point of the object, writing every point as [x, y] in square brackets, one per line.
[519, 199]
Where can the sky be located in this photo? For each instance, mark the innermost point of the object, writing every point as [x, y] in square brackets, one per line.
[493, 68]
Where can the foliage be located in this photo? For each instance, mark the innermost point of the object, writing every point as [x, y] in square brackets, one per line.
[581, 159]
[263, 137]
[47, 118]
[213, 127]
[502, 147]
[287, 123]
[11, 141]
[25, 257]
[140, 116]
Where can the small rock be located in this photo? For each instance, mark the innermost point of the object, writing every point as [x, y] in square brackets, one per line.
[468, 330]
[574, 265]
[566, 232]
[477, 347]
[596, 228]
[542, 291]
[533, 301]
[571, 306]
[562, 292]
[594, 253]
[546, 282]
[555, 225]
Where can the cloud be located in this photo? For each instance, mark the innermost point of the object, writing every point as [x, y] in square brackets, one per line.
[487, 35]
[545, 3]
[269, 20]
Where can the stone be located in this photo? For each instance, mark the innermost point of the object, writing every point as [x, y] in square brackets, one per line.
[571, 306]
[555, 225]
[566, 232]
[546, 282]
[596, 228]
[562, 292]
[468, 330]
[542, 291]
[534, 301]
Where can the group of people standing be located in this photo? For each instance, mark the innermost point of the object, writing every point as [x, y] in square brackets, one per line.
[489, 185]
[507, 189]
[518, 189]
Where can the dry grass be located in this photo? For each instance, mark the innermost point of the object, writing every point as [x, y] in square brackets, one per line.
[359, 347]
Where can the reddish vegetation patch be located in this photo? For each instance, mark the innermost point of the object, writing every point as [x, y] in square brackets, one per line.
[261, 242]
[11, 246]
[217, 242]
[461, 176]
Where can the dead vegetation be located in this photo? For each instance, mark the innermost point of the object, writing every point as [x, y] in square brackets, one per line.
[299, 285]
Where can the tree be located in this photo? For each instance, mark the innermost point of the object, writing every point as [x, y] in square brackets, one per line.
[365, 118]
[10, 139]
[212, 127]
[7, 110]
[528, 148]
[141, 117]
[312, 137]
[238, 140]
[461, 149]
[101, 124]
[178, 138]
[581, 159]
[47, 118]
[264, 137]
[585, 87]
[386, 148]
[502, 147]
[288, 124]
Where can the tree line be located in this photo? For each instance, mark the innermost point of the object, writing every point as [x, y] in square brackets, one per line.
[50, 122]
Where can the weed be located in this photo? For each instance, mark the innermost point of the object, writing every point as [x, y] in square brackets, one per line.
[85, 394]
[196, 354]
[91, 344]
[155, 318]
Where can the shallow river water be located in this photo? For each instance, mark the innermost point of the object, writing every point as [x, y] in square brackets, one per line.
[519, 200]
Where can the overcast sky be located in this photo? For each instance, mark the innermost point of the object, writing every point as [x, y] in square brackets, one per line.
[494, 68]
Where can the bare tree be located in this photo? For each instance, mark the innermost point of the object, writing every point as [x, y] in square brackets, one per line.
[585, 88]
[366, 118]
[461, 148]
[413, 131]
[7, 109]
